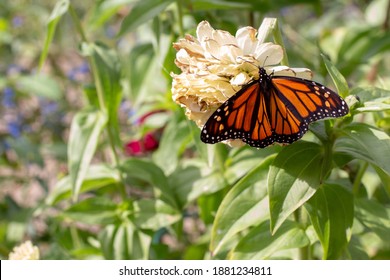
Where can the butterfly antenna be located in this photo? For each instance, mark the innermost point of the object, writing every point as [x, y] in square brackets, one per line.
[265, 60]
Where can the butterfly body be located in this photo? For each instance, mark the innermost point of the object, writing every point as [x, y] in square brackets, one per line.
[272, 109]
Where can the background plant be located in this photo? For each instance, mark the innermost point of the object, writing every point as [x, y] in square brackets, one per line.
[99, 162]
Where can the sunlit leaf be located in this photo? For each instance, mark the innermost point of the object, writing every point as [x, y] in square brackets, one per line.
[124, 242]
[331, 214]
[40, 85]
[93, 210]
[154, 214]
[337, 77]
[103, 11]
[139, 62]
[142, 12]
[294, 176]
[106, 70]
[219, 5]
[173, 143]
[245, 205]
[59, 10]
[97, 176]
[140, 171]
[259, 243]
[190, 183]
[83, 139]
[367, 143]
[374, 216]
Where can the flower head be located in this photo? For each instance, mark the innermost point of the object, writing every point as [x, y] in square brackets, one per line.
[216, 64]
[25, 251]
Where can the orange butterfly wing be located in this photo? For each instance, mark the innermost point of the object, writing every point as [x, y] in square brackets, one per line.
[243, 116]
[272, 109]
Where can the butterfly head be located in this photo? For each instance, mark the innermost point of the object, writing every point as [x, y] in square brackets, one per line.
[264, 78]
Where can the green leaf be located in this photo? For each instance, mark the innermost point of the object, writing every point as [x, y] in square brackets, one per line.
[173, 143]
[245, 205]
[83, 139]
[59, 10]
[359, 45]
[154, 214]
[203, 5]
[98, 176]
[356, 249]
[374, 99]
[40, 85]
[142, 12]
[374, 216]
[140, 171]
[208, 206]
[103, 11]
[190, 183]
[385, 178]
[366, 94]
[139, 63]
[93, 210]
[107, 75]
[365, 142]
[331, 214]
[293, 178]
[124, 242]
[337, 77]
[260, 244]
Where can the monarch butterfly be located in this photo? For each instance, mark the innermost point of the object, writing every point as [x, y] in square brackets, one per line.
[272, 109]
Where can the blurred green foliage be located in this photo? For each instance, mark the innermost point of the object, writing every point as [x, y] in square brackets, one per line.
[97, 161]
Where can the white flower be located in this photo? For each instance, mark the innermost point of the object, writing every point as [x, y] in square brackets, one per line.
[25, 251]
[216, 64]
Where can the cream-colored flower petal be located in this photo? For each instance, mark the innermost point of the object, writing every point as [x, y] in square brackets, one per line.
[204, 31]
[229, 53]
[282, 70]
[246, 39]
[223, 37]
[192, 47]
[212, 48]
[224, 70]
[268, 54]
[241, 79]
[25, 251]
[183, 57]
[236, 143]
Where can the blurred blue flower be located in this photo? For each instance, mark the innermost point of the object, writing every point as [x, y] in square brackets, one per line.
[81, 69]
[14, 128]
[8, 98]
[111, 31]
[4, 146]
[127, 108]
[14, 69]
[48, 108]
[84, 68]
[17, 21]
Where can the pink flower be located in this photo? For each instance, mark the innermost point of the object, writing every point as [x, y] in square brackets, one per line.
[139, 147]
[150, 142]
[133, 148]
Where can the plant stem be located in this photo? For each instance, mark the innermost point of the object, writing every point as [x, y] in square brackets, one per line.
[77, 23]
[75, 236]
[100, 95]
[358, 178]
[300, 216]
[180, 17]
